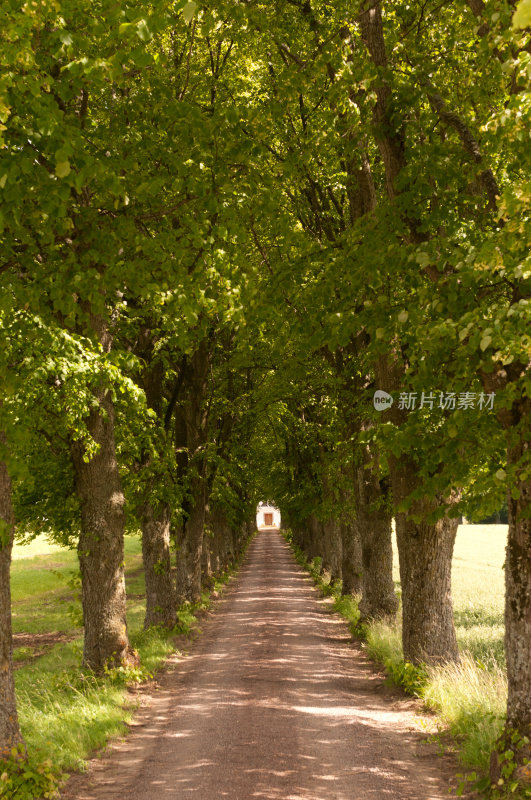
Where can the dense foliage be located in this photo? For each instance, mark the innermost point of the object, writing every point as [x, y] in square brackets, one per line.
[223, 227]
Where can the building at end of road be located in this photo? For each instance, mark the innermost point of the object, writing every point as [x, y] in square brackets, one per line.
[267, 516]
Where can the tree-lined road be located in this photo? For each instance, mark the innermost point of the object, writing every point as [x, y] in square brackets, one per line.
[274, 701]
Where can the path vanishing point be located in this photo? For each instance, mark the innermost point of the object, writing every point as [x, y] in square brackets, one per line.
[272, 702]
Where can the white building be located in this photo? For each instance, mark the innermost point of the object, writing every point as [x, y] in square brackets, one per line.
[267, 516]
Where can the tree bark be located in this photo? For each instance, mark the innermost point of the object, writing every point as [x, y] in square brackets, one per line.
[191, 422]
[351, 566]
[518, 596]
[189, 554]
[160, 592]
[425, 553]
[314, 545]
[515, 420]
[10, 735]
[181, 574]
[331, 548]
[374, 520]
[101, 543]
[206, 560]
[425, 550]
[221, 540]
[154, 511]
[389, 136]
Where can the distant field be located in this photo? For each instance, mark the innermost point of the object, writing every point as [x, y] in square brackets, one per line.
[477, 589]
[41, 574]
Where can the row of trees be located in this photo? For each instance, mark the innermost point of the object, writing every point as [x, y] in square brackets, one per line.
[224, 227]
[414, 164]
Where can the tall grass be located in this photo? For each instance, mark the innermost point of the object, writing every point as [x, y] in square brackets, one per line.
[471, 699]
[468, 698]
[64, 712]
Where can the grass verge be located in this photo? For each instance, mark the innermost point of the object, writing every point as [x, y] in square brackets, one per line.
[65, 712]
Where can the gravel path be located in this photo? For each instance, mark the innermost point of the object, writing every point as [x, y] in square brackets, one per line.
[273, 702]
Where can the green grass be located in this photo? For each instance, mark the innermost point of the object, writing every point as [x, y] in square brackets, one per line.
[471, 700]
[478, 591]
[42, 598]
[39, 587]
[65, 712]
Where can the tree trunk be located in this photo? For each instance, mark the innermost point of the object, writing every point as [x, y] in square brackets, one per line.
[332, 548]
[191, 428]
[181, 574]
[425, 550]
[378, 593]
[206, 560]
[228, 545]
[189, 555]
[153, 510]
[160, 592]
[518, 595]
[374, 519]
[101, 543]
[351, 566]
[10, 735]
[194, 530]
[298, 535]
[515, 421]
[315, 539]
[235, 533]
[425, 553]
[219, 542]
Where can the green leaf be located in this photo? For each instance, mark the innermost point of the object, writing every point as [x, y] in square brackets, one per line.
[522, 15]
[5, 533]
[402, 317]
[62, 169]
[3, 180]
[143, 32]
[189, 11]
[484, 343]
[423, 259]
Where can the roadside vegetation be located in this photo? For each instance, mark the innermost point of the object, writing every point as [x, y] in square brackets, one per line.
[66, 713]
[467, 697]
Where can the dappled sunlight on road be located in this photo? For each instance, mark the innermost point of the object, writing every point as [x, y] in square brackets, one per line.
[274, 701]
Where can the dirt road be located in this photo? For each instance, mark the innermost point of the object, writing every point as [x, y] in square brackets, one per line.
[272, 702]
